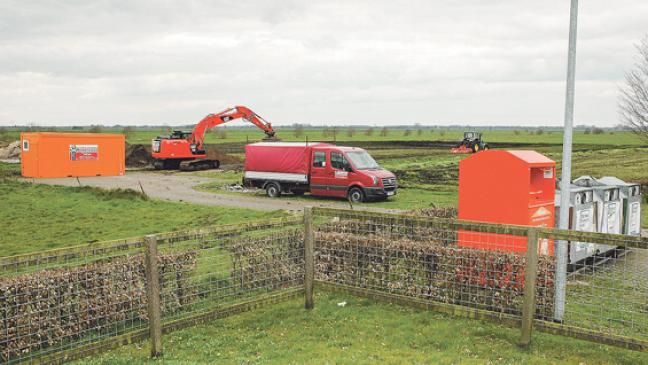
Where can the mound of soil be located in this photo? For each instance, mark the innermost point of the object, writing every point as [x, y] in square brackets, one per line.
[138, 155]
[225, 159]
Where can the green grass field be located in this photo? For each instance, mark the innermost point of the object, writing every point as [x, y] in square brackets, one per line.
[226, 135]
[362, 332]
[41, 217]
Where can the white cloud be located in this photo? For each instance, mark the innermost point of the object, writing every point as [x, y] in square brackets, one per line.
[378, 62]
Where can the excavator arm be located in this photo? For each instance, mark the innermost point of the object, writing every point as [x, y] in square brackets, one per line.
[197, 136]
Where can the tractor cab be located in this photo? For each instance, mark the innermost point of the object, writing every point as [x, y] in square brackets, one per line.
[471, 143]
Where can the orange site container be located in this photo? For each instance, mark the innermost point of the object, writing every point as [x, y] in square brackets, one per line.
[72, 154]
[510, 187]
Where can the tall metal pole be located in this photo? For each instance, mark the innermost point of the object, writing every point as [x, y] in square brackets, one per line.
[565, 179]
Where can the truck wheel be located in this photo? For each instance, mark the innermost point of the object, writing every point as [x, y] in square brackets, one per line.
[356, 195]
[475, 147]
[273, 190]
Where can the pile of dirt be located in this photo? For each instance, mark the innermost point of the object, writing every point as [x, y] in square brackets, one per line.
[138, 155]
[12, 151]
[225, 159]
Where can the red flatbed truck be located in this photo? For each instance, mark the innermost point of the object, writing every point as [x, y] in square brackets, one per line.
[319, 168]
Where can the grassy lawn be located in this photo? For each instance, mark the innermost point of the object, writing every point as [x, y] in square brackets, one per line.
[40, 217]
[363, 331]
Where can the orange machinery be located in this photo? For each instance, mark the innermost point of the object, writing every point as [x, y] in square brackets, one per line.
[72, 154]
[186, 150]
[510, 187]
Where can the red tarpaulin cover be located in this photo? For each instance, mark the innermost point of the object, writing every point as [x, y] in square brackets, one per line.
[287, 157]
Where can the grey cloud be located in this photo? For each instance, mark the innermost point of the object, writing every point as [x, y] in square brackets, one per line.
[311, 61]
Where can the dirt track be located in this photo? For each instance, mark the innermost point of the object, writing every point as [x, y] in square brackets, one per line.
[180, 187]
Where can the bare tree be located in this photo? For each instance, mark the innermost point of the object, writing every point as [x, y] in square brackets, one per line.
[633, 102]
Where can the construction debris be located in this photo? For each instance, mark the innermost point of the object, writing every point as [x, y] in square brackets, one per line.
[12, 151]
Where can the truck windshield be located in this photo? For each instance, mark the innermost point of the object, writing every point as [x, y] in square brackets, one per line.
[361, 160]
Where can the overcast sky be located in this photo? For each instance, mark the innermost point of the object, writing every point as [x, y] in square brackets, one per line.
[334, 62]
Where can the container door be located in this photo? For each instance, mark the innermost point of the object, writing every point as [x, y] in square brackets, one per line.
[319, 173]
[583, 221]
[634, 216]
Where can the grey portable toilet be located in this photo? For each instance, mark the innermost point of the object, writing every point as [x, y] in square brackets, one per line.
[630, 204]
[582, 218]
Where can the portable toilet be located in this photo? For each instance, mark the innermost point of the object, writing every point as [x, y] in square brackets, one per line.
[630, 204]
[509, 187]
[582, 218]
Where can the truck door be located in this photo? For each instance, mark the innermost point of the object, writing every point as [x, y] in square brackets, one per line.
[320, 172]
[338, 180]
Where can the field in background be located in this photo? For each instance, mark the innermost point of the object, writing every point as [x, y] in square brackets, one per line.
[362, 332]
[229, 135]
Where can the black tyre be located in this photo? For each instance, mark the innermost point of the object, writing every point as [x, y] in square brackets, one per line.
[273, 190]
[356, 195]
[485, 147]
[475, 148]
[158, 164]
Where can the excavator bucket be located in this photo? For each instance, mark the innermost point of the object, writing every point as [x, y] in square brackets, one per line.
[271, 139]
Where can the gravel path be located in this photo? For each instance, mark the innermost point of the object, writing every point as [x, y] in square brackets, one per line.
[180, 187]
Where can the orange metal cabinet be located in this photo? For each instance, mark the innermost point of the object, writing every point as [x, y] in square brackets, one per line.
[510, 187]
[72, 154]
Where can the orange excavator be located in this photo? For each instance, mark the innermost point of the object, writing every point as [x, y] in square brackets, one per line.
[186, 150]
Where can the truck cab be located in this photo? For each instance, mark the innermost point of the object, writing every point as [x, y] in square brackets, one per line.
[349, 172]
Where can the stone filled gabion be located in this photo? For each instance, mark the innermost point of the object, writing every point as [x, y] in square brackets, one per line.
[51, 306]
[272, 262]
[423, 263]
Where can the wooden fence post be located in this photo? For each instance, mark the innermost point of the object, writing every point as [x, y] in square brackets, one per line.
[530, 276]
[309, 264]
[153, 295]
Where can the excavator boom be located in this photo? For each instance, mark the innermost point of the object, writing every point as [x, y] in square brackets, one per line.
[197, 136]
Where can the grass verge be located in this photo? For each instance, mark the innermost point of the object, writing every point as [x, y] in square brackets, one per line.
[363, 331]
[39, 217]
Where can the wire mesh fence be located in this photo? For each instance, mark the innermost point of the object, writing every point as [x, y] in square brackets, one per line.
[428, 259]
[67, 303]
[607, 293]
[482, 267]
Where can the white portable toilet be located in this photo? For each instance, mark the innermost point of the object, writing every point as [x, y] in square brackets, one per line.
[630, 204]
[582, 218]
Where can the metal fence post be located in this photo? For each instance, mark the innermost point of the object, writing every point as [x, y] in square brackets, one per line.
[309, 264]
[153, 295]
[530, 276]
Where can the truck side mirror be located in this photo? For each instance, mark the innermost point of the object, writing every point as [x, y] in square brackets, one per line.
[348, 168]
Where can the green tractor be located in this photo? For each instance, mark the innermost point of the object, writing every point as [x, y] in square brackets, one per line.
[471, 143]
